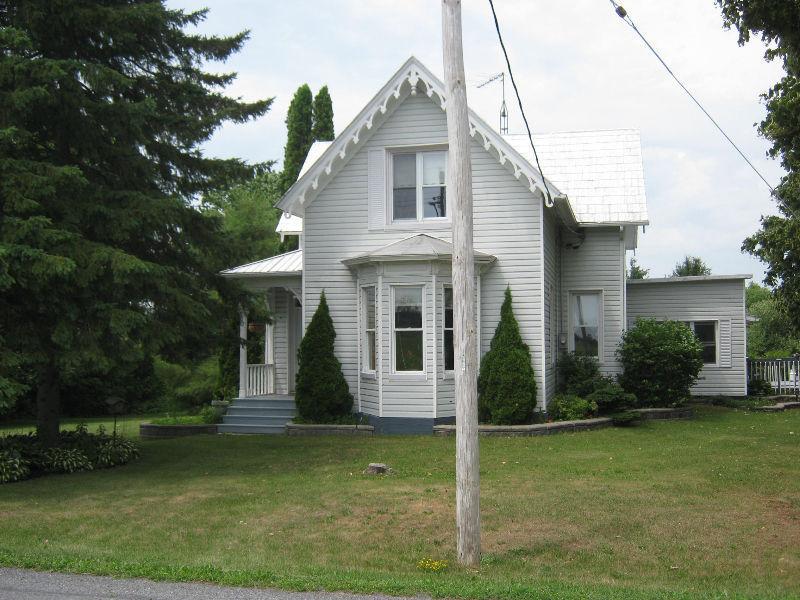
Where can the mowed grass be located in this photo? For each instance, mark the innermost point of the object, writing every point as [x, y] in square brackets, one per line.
[127, 425]
[707, 508]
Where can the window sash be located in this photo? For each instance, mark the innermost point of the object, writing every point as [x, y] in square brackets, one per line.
[409, 339]
[586, 323]
[429, 189]
[368, 299]
[447, 330]
[710, 346]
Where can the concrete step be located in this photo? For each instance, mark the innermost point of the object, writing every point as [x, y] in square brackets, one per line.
[238, 420]
[262, 403]
[272, 429]
[259, 411]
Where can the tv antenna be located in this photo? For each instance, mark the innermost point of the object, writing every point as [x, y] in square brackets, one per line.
[503, 110]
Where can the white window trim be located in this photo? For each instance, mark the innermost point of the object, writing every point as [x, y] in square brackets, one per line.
[448, 373]
[421, 219]
[363, 330]
[691, 323]
[409, 374]
[600, 321]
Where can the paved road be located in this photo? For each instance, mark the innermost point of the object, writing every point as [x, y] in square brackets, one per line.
[19, 584]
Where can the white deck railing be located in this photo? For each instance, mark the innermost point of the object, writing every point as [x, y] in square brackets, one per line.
[260, 380]
[783, 374]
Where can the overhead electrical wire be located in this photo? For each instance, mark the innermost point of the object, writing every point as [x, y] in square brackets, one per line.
[519, 101]
[623, 14]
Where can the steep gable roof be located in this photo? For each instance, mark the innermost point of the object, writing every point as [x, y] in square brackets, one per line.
[412, 78]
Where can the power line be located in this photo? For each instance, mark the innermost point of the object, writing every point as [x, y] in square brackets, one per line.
[519, 101]
[623, 14]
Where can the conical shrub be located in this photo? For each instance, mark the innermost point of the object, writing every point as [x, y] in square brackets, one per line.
[506, 383]
[321, 391]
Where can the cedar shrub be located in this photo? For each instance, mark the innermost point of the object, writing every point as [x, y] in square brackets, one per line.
[506, 383]
[321, 391]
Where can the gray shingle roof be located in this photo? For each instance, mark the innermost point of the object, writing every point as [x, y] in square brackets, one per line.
[600, 171]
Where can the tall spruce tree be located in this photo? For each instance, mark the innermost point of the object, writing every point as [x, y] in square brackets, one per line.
[323, 116]
[777, 243]
[506, 383]
[103, 253]
[321, 391]
[299, 135]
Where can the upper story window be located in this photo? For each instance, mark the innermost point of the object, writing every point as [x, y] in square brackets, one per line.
[585, 321]
[706, 333]
[419, 185]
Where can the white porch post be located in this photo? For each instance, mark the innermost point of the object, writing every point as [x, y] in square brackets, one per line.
[269, 345]
[242, 353]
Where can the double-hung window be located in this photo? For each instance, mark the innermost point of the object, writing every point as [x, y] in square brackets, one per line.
[585, 323]
[419, 186]
[447, 328]
[368, 317]
[408, 330]
[706, 333]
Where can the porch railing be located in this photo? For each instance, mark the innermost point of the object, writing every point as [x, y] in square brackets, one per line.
[260, 379]
[783, 374]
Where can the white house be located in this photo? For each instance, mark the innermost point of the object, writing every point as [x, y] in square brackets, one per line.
[372, 215]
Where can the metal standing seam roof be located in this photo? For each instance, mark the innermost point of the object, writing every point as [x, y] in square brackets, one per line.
[290, 263]
[601, 172]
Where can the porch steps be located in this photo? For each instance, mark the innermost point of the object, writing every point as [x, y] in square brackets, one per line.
[259, 414]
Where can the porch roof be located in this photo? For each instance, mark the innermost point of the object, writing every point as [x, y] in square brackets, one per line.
[290, 263]
[415, 248]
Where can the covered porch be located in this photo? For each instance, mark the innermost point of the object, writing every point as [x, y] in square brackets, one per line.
[279, 280]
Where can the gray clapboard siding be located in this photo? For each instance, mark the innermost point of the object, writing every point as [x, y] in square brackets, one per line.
[716, 300]
[596, 265]
[506, 224]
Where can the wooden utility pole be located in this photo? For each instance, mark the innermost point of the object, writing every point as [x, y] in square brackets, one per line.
[459, 191]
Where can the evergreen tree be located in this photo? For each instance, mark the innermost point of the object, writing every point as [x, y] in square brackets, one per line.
[506, 384]
[104, 255]
[321, 391]
[299, 135]
[323, 116]
[691, 266]
[777, 243]
[637, 271]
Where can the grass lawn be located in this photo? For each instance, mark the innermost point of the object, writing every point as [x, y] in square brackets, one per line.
[127, 425]
[708, 508]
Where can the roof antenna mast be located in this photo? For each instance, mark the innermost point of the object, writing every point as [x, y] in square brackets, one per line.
[503, 110]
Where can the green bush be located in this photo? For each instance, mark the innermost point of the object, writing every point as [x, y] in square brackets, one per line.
[210, 415]
[64, 460]
[12, 466]
[569, 407]
[506, 382]
[321, 391]
[759, 387]
[577, 375]
[116, 451]
[610, 397]
[660, 360]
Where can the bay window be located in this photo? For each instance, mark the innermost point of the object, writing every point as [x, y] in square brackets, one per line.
[368, 326]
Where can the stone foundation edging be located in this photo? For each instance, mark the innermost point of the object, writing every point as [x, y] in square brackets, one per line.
[528, 430]
[322, 429]
[777, 407]
[149, 430]
[682, 412]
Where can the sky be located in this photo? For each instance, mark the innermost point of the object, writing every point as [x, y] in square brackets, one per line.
[578, 67]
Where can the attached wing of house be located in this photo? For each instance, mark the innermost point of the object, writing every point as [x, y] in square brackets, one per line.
[371, 212]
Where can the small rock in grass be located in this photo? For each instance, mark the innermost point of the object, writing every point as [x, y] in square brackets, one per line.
[377, 469]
